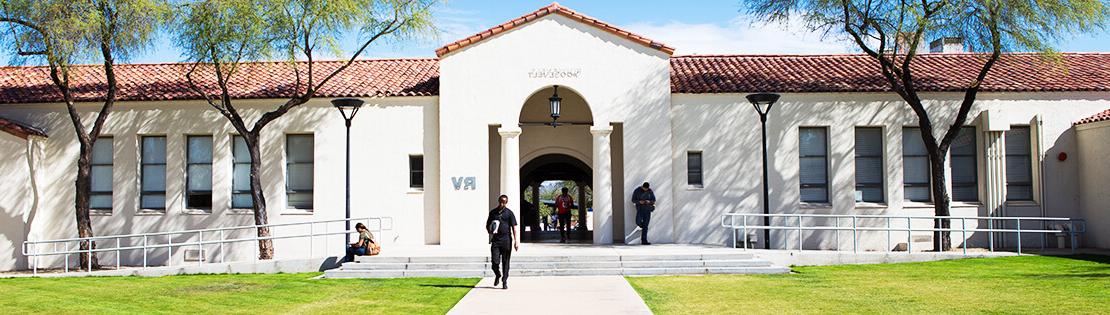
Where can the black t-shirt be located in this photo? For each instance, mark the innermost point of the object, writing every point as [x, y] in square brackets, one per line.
[508, 221]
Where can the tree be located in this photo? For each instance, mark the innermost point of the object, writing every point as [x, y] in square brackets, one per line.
[219, 36]
[61, 33]
[890, 32]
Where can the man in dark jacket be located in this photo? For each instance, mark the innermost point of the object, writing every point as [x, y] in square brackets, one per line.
[644, 199]
[502, 228]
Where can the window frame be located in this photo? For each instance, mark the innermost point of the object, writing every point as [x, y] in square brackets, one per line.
[413, 171]
[143, 163]
[235, 163]
[111, 175]
[825, 158]
[1028, 154]
[881, 185]
[700, 169]
[928, 169]
[288, 172]
[975, 165]
[189, 163]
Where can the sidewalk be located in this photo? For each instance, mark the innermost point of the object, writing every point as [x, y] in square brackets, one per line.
[553, 295]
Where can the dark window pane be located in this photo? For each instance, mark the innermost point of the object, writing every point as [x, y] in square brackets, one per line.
[813, 164]
[1019, 164]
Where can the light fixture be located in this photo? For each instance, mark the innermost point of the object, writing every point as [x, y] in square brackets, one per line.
[348, 107]
[556, 103]
[762, 103]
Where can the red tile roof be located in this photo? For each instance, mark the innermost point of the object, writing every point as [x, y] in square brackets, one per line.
[159, 82]
[1103, 116]
[689, 74]
[555, 8]
[1015, 72]
[19, 129]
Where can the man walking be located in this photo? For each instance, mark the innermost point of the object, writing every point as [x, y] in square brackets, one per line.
[644, 199]
[502, 228]
[563, 203]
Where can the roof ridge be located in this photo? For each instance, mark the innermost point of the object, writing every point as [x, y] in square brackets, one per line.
[554, 7]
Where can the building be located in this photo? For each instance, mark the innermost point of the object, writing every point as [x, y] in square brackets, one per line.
[439, 138]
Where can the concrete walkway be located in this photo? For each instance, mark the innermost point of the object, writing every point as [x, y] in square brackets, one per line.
[554, 295]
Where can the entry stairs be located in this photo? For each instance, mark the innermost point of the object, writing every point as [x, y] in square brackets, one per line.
[557, 265]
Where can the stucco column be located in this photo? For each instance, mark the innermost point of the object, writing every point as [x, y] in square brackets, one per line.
[995, 162]
[603, 185]
[510, 166]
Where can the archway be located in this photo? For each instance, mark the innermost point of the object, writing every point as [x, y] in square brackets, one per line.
[541, 179]
[556, 154]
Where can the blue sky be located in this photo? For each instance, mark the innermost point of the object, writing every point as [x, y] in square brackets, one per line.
[693, 27]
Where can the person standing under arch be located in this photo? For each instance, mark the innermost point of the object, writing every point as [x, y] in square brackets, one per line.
[644, 199]
[563, 203]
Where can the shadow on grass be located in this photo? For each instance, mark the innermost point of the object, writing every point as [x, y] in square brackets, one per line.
[448, 286]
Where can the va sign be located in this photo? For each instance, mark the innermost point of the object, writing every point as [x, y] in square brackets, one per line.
[464, 183]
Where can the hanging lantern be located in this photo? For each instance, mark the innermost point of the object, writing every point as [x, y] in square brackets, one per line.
[556, 103]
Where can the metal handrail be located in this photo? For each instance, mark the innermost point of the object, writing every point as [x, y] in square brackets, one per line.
[30, 247]
[1069, 226]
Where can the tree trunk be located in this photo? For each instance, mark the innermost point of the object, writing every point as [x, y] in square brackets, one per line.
[941, 202]
[81, 205]
[266, 246]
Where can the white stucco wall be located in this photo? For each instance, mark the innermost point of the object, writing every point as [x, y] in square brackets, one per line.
[17, 202]
[487, 83]
[726, 129]
[384, 134]
[1094, 178]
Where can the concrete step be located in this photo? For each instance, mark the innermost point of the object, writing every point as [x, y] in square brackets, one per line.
[415, 266]
[422, 259]
[695, 263]
[345, 274]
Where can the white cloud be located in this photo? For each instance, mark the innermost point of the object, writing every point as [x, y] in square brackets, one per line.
[740, 36]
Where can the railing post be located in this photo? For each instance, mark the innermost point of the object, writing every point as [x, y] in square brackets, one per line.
[35, 264]
[1071, 235]
[312, 237]
[888, 249]
[222, 240]
[963, 228]
[1019, 235]
[117, 254]
[88, 249]
[909, 235]
[200, 248]
[836, 232]
[144, 251]
[990, 233]
[65, 266]
[169, 250]
[799, 232]
[855, 237]
[745, 234]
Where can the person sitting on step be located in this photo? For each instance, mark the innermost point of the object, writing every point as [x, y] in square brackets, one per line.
[363, 246]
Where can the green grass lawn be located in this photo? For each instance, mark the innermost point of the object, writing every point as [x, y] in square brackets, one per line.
[234, 294]
[1027, 284]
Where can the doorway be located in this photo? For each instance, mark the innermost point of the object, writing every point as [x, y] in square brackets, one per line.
[542, 180]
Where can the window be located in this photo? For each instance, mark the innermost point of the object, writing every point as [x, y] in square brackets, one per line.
[416, 171]
[814, 163]
[1019, 165]
[101, 197]
[869, 164]
[198, 172]
[965, 173]
[298, 167]
[694, 169]
[915, 166]
[240, 174]
[153, 173]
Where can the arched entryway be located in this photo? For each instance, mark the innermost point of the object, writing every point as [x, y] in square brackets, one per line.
[541, 179]
[573, 147]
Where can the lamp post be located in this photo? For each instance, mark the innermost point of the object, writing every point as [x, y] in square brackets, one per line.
[762, 103]
[348, 107]
[556, 104]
